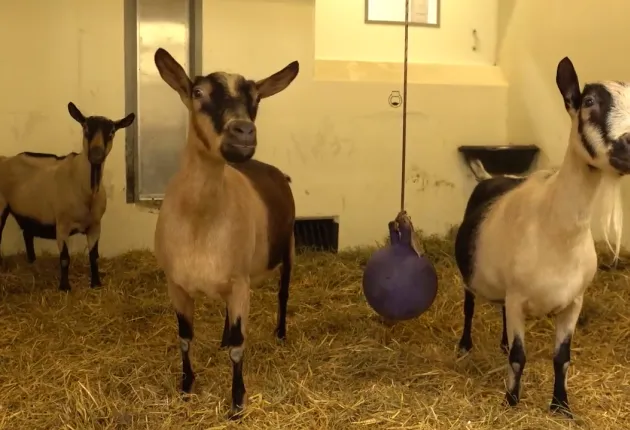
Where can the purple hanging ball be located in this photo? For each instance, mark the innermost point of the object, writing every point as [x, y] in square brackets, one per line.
[398, 283]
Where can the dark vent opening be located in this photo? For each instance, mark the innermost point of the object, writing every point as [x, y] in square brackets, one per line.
[321, 234]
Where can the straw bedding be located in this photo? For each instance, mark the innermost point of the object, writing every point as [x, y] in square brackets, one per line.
[109, 359]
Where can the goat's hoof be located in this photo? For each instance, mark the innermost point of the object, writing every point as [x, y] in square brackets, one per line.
[561, 408]
[236, 412]
[281, 334]
[464, 347]
[511, 398]
[64, 287]
[186, 396]
[462, 352]
[186, 387]
[95, 284]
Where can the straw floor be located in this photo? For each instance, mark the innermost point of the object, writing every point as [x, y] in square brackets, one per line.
[109, 359]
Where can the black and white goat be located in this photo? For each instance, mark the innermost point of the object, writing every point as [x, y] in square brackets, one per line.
[227, 220]
[526, 242]
[55, 197]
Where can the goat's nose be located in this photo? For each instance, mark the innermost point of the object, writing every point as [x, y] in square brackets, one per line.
[96, 154]
[243, 130]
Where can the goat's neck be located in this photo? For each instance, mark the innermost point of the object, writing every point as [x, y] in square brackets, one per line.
[82, 169]
[572, 194]
[203, 176]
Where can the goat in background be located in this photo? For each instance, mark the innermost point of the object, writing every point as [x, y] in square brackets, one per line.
[55, 197]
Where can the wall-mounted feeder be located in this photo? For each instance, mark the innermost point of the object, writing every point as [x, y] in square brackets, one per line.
[501, 160]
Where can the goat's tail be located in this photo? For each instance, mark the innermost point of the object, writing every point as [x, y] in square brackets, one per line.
[478, 170]
[611, 212]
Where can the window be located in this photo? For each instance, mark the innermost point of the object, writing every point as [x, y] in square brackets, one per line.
[155, 140]
[421, 12]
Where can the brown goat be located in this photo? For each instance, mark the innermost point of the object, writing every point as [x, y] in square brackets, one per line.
[55, 197]
[226, 220]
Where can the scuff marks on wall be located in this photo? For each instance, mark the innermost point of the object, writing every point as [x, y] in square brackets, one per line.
[326, 143]
[23, 125]
[424, 180]
[108, 183]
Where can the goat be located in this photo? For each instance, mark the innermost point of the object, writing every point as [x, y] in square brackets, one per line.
[55, 197]
[482, 175]
[226, 220]
[526, 242]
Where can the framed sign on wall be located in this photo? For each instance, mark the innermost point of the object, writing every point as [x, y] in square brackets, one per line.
[423, 13]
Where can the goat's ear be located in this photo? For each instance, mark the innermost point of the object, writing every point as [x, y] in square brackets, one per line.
[173, 74]
[278, 81]
[568, 84]
[125, 122]
[75, 113]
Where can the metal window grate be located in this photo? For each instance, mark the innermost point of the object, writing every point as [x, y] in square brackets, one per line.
[320, 234]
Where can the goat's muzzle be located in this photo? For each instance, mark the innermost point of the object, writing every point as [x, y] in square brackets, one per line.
[239, 141]
[96, 155]
[619, 155]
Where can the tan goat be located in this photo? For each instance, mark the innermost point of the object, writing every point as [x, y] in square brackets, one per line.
[226, 220]
[526, 242]
[55, 197]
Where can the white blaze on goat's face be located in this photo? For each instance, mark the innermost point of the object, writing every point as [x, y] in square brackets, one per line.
[223, 106]
[601, 119]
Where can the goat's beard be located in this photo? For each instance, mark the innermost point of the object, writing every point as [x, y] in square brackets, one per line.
[611, 217]
[96, 169]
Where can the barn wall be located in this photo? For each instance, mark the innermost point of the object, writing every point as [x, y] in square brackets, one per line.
[332, 130]
[533, 36]
[341, 34]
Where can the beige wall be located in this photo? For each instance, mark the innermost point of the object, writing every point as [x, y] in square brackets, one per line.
[534, 35]
[332, 130]
[341, 34]
[61, 51]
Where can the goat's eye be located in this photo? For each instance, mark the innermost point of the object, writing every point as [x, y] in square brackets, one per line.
[588, 102]
[257, 99]
[197, 93]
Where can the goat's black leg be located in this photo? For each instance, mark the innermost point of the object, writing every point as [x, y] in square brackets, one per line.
[63, 234]
[184, 309]
[565, 327]
[29, 244]
[93, 235]
[283, 293]
[466, 343]
[225, 338]
[64, 262]
[515, 325]
[95, 276]
[3, 221]
[238, 306]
